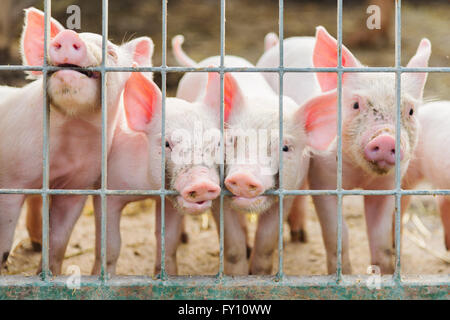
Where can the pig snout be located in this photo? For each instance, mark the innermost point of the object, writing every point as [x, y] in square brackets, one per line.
[68, 48]
[381, 151]
[244, 184]
[202, 190]
[197, 187]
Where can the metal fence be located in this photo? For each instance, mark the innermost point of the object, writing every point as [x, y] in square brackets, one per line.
[221, 286]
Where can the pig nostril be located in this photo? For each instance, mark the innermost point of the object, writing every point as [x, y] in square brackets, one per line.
[76, 47]
[212, 191]
[393, 151]
[192, 194]
[252, 187]
[57, 46]
[376, 148]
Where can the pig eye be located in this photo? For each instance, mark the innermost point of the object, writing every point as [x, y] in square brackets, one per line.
[356, 105]
[285, 148]
[411, 111]
[112, 53]
[168, 145]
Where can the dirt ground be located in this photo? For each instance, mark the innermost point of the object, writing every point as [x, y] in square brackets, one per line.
[247, 23]
[423, 249]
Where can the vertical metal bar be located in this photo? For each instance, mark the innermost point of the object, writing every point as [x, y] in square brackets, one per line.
[339, 146]
[280, 141]
[104, 173]
[45, 275]
[222, 149]
[163, 139]
[398, 179]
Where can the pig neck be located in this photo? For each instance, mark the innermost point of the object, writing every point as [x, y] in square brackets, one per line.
[75, 142]
[129, 160]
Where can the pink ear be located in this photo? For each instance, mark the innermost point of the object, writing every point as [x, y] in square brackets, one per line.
[416, 81]
[141, 49]
[319, 115]
[141, 98]
[33, 37]
[232, 94]
[325, 56]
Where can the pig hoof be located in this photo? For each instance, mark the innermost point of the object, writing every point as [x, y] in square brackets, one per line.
[299, 236]
[5, 257]
[184, 238]
[249, 252]
[303, 236]
[36, 246]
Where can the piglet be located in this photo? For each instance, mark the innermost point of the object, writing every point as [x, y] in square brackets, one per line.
[135, 163]
[252, 111]
[431, 160]
[75, 124]
[368, 138]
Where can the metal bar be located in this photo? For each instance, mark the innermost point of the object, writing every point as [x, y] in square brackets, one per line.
[398, 178]
[230, 69]
[339, 145]
[258, 287]
[163, 139]
[227, 193]
[104, 172]
[45, 275]
[280, 140]
[222, 130]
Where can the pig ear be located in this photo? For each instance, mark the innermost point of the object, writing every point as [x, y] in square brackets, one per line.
[141, 50]
[415, 82]
[142, 99]
[319, 116]
[32, 42]
[325, 55]
[232, 93]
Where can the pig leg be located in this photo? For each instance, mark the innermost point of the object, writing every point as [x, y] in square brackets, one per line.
[235, 241]
[184, 234]
[297, 220]
[444, 208]
[173, 237]
[34, 221]
[113, 238]
[10, 211]
[326, 208]
[378, 211]
[261, 260]
[64, 213]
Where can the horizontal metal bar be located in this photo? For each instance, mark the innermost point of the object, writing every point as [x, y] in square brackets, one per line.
[227, 69]
[228, 193]
[209, 287]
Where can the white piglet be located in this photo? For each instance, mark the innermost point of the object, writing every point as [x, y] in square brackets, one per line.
[135, 163]
[75, 124]
[252, 112]
[431, 161]
[368, 138]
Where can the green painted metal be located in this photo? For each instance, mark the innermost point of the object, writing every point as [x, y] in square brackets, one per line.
[314, 287]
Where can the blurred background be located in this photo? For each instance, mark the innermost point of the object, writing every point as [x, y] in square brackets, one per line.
[247, 22]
